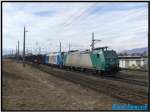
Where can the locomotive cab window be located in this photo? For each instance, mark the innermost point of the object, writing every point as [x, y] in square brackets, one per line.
[97, 55]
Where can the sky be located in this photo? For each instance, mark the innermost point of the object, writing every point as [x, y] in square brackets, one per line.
[119, 26]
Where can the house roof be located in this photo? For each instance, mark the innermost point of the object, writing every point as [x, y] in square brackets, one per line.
[130, 57]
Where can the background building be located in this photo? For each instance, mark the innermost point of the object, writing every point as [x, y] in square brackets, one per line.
[134, 62]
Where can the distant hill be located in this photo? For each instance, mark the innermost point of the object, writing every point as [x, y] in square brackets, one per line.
[136, 50]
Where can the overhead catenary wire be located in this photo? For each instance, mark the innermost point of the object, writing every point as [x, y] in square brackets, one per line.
[73, 18]
[80, 15]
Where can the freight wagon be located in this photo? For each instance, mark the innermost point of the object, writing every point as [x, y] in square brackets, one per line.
[35, 58]
[54, 59]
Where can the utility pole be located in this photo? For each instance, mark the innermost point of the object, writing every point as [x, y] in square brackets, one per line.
[92, 45]
[12, 52]
[39, 50]
[60, 47]
[31, 50]
[69, 46]
[93, 41]
[24, 46]
[27, 51]
[18, 51]
[36, 49]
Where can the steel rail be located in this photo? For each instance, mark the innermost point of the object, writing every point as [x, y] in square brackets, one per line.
[127, 95]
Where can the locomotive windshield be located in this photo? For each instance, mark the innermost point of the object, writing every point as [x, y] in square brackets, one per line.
[110, 54]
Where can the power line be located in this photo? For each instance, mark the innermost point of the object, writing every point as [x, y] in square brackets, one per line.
[81, 14]
[74, 18]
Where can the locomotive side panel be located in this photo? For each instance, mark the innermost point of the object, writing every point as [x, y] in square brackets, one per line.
[72, 59]
[85, 61]
[55, 59]
[52, 59]
[46, 58]
[78, 60]
[98, 60]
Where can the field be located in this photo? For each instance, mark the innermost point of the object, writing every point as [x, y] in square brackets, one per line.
[28, 88]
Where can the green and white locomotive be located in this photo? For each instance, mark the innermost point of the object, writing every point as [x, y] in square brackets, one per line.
[100, 59]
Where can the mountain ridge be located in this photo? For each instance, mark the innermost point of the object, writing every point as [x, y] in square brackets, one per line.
[136, 50]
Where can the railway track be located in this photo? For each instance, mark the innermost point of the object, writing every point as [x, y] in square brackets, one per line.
[125, 94]
[125, 78]
[128, 80]
[119, 77]
[141, 70]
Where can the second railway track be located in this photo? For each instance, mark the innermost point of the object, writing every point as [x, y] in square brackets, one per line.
[127, 95]
[121, 78]
[128, 80]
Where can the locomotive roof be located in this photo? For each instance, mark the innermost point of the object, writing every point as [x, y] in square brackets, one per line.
[105, 47]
